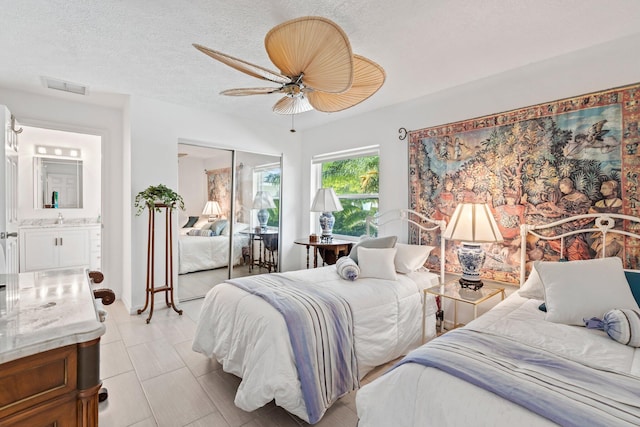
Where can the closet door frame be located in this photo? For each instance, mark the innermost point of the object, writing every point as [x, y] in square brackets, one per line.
[234, 193]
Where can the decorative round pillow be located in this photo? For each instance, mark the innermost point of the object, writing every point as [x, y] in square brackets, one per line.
[347, 268]
[621, 324]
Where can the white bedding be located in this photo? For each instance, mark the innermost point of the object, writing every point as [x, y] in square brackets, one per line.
[197, 253]
[250, 339]
[427, 396]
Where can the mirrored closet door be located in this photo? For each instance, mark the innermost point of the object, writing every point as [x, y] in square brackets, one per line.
[231, 223]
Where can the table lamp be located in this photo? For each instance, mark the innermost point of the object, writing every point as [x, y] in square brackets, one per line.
[326, 201]
[263, 201]
[212, 209]
[472, 223]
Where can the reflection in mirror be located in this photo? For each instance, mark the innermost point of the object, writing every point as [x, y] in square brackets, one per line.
[207, 179]
[258, 212]
[59, 183]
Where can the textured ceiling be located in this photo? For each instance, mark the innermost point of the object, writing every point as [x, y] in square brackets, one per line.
[144, 47]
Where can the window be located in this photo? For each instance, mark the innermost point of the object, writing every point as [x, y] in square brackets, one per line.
[354, 177]
[267, 178]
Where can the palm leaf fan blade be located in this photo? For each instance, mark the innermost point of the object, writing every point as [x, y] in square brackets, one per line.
[368, 78]
[289, 105]
[244, 66]
[250, 91]
[314, 47]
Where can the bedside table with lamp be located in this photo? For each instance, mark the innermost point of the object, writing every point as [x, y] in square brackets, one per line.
[473, 224]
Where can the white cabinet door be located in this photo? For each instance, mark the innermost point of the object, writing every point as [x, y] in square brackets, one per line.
[63, 247]
[73, 248]
[39, 249]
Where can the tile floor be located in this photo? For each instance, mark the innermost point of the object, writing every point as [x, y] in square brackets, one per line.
[155, 379]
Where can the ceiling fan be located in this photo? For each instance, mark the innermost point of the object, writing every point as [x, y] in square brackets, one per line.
[318, 70]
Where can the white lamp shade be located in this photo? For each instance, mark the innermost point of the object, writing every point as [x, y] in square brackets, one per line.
[326, 200]
[473, 222]
[212, 208]
[263, 200]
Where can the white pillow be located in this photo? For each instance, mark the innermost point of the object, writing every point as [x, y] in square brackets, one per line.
[370, 242]
[578, 290]
[201, 222]
[411, 257]
[237, 228]
[532, 287]
[377, 263]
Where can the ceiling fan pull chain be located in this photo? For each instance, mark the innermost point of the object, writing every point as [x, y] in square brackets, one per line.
[293, 129]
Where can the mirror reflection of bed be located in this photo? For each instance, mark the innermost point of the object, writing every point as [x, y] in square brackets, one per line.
[217, 224]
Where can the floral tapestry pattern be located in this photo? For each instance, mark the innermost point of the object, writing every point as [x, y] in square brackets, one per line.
[535, 165]
[219, 189]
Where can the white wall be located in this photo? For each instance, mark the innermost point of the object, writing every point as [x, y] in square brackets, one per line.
[140, 143]
[69, 114]
[192, 186]
[606, 66]
[602, 67]
[156, 129]
[139, 148]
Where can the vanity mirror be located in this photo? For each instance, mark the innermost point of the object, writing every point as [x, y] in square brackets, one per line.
[58, 183]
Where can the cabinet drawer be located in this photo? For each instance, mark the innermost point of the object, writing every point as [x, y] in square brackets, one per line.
[34, 379]
[61, 412]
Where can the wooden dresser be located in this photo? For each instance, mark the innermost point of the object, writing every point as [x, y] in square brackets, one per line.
[50, 351]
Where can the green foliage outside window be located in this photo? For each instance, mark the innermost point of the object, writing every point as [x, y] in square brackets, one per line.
[274, 214]
[356, 182]
[271, 183]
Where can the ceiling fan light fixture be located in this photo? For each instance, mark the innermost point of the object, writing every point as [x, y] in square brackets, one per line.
[292, 105]
[318, 70]
[315, 47]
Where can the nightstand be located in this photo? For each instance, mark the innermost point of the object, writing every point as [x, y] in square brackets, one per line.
[329, 251]
[453, 291]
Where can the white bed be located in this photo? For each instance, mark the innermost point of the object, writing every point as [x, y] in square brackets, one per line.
[249, 337]
[415, 395]
[196, 253]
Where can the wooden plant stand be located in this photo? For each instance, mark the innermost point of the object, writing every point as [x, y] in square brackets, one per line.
[167, 288]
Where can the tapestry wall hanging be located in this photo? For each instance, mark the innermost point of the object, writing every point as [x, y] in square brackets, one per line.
[219, 189]
[535, 165]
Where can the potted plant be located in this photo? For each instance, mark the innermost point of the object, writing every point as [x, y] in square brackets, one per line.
[159, 194]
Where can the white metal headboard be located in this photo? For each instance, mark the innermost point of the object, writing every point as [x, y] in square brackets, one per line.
[602, 222]
[416, 219]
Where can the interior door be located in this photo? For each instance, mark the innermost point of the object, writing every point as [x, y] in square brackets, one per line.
[9, 200]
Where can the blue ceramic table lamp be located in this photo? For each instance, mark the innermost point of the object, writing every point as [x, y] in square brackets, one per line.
[263, 201]
[326, 201]
[473, 223]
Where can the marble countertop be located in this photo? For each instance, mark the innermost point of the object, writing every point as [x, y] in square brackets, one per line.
[52, 224]
[55, 308]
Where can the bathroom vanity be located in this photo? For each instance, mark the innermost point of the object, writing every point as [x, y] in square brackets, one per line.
[73, 244]
[50, 350]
